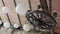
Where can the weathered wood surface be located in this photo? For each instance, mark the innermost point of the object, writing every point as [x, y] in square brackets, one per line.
[12, 13]
[2, 15]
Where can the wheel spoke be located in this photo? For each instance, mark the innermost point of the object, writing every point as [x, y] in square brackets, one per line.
[44, 27]
[33, 16]
[38, 15]
[42, 16]
[49, 25]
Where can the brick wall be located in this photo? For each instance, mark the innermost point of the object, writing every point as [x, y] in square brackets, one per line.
[56, 7]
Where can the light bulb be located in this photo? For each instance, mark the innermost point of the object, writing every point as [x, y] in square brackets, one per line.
[26, 27]
[5, 9]
[20, 9]
[0, 22]
[16, 25]
[6, 25]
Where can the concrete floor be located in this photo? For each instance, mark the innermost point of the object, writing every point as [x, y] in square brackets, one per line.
[5, 31]
[10, 31]
[16, 31]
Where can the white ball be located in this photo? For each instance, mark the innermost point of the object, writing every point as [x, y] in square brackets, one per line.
[6, 25]
[16, 25]
[5, 9]
[0, 22]
[26, 27]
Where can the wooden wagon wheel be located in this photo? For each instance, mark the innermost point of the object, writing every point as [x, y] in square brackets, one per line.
[41, 19]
